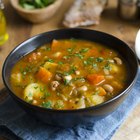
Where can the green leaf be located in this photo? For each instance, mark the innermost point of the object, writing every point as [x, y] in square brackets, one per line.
[39, 4]
[28, 6]
[47, 2]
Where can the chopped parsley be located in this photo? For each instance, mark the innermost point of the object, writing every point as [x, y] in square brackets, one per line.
[66, 82]
[47, 104]
[79, 79]
[59, 104]
[99, 59]
[71, 71]
[24, 71]
[79, 55]
[107, 67]
[70, 50]
[94, 65]
[48, 48]
[60, 63]
[84, 50]
[50, 60]
[66, 57]
[89, 61]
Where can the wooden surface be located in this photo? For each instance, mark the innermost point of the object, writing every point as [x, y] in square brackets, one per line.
[19, 30]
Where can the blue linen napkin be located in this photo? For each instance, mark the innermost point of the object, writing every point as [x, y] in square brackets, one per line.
[28, 128]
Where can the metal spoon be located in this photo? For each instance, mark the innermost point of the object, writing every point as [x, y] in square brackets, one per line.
[137, 45]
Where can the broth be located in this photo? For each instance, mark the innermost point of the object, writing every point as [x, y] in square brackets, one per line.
[69, 74]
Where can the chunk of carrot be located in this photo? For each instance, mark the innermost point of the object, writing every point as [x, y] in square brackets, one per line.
[102, 92]
[43, 75]
[55, 44]
[95, 79]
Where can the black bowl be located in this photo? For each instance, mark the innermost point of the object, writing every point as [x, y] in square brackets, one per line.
[67, 118]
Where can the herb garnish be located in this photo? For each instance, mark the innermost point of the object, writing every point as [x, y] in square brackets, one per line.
[84, 50]
[99, 59]
[50, 60]
[107, 66]
[47, 104]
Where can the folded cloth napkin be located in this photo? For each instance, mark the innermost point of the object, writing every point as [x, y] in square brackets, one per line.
[28, 128]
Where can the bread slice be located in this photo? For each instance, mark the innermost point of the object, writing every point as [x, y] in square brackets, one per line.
[84, 12]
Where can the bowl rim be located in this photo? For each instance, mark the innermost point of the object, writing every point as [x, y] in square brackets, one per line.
[15, 4]
[74, 110]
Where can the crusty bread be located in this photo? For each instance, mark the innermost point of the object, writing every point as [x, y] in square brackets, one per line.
[84, 12]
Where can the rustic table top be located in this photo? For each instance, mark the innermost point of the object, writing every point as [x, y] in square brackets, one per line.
[20, 30]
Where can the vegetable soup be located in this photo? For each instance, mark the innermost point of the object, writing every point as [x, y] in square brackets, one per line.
[69, 74]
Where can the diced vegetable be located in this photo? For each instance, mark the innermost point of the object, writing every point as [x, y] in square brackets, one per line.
[95, 79]
[97, 99]
[32, 91]
[44, 75]
[50, 66]
[59, 104]
[16, 77]
[114, 68]
[55, 44]
[81, 103]
[57, 55]
[102, 92]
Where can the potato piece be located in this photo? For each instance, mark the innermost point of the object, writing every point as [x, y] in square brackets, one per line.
[96, 99]
[33, 91]
[114, 68]
[16, 78]
[50, 66]
[81, 103]
[57, 55]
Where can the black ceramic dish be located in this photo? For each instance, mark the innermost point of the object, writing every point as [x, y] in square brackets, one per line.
[67, 118]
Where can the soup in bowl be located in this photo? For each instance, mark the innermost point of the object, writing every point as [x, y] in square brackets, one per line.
[69, 74]
[74, 76]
